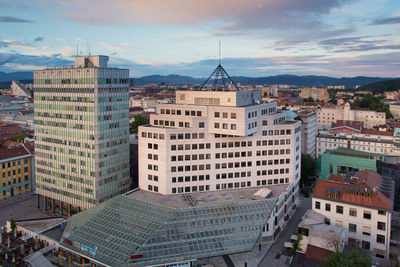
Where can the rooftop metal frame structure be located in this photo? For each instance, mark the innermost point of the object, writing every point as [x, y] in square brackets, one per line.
[220, 80]
[126, 231]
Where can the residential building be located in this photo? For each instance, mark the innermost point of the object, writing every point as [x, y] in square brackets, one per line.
[82, 133]
[318, 239]
[358, 205]
[134, 160]
[354, 136]
[309, 131]
[395, 110]
[343, 160]
[17, 169]
[318, 94]
[213, 140]
[392, 171]
[19, 90]
[329, 114]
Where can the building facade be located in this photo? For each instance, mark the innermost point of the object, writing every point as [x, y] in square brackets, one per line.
[359, 207]
[16, 175]
[82, 133]
[211, 141]
[330, 114]
[343, 160]
[19, 90]
[366, 140]
[318, 94]
[309, 132]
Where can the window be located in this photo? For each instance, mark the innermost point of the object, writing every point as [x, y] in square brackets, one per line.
[201, 124]
[365, 245]
[367, 215]
[339, 209]
[381, 226]
[328, 207]
[216, 114]
[366, 230]
[380, 239]
[353, 212]
[216, 125]
[381, 212]
[317, 205]
[352, 227]
[233, 126]
[233, 115]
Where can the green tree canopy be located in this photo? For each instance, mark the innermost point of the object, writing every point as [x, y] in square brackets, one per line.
[19, 137]
[308, 170]
[372, 103]
[340, 259]
[139, 120]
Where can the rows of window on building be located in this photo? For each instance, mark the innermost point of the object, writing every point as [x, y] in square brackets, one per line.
[188, 148]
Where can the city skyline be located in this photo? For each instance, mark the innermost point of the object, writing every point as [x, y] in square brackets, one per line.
[259, 38]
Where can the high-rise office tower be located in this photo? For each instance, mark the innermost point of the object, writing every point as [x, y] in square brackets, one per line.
[82, 133]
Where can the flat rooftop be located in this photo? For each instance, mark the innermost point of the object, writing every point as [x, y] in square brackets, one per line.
[203, 199]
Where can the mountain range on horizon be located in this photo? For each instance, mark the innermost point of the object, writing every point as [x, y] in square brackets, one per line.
[296, 80]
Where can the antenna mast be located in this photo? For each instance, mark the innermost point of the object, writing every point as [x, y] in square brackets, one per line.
[219, 55]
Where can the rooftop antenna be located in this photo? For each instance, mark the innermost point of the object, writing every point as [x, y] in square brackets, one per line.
[219, 55]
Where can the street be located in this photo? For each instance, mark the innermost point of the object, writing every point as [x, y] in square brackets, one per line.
[291, 228]
[20, 207]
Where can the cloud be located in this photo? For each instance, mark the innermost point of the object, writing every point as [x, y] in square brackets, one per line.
[39, 39]
[383, 21]
[358, 43]
[236, 15]
[9, 60]
[14, 20]
[15, 43]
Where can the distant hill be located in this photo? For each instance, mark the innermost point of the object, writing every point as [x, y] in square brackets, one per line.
[380, 87]
[20, 75]
[308, 80]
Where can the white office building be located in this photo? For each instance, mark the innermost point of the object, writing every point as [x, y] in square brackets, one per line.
[213, 140]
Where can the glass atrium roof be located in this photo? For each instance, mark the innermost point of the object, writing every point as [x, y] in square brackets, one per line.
[126, 231]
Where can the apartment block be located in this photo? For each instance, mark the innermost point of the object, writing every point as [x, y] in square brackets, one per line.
[309, 131]
[82, 133]
[360, 207]
[353, 136]
[318, 94]
[329, 114]
[16, 175]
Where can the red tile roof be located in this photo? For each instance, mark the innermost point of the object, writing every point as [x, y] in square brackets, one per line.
[367, 180]
[376, 132]
[356, 125]
[6, 129]
[317, 253]
[335, 177]
[6, 153]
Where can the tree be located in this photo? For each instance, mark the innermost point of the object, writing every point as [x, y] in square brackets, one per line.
[12, 224]
[339, 259]
[308, 170]
[19, 137]
[138, 121]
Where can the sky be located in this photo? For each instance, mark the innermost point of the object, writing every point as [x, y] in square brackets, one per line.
[340, 38]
